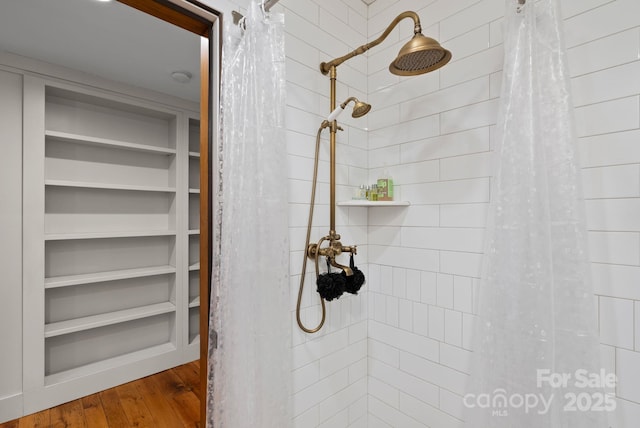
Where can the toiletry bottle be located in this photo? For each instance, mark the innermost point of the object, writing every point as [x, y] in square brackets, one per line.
[374, 192]
[385, 187]
[368, 193]
[363, 192]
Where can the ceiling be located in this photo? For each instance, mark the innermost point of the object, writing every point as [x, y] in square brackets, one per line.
[107, 39]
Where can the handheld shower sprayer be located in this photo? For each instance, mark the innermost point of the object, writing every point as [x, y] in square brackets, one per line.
[359, 109]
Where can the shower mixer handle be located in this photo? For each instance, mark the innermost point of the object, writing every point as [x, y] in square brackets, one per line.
[350, 249]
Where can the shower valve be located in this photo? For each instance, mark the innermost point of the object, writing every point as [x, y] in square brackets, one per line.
[334, 249]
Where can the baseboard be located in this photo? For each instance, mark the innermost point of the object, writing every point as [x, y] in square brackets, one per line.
[11, 407]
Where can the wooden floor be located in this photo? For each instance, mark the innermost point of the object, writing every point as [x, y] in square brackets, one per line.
[168, 399]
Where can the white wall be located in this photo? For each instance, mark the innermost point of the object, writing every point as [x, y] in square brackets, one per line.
[435, 132]
[11, 248]
[330, 367]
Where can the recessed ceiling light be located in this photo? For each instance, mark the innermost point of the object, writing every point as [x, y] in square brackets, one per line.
[181, 76]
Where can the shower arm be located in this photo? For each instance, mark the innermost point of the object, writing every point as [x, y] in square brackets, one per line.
[325, 67]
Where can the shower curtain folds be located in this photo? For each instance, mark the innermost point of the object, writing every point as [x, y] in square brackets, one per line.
[535, 314]
[249, 366]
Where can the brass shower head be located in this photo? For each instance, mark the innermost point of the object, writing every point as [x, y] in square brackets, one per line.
[419, 55]
[359, 109]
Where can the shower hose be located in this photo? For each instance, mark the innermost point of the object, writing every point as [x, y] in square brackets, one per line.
[306, 245]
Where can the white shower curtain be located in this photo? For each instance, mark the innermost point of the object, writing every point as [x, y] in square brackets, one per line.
[536, 334]
[249, 369]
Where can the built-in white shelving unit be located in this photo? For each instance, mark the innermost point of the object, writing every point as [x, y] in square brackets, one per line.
[101, 320]
[89, 370]
[363, 203]
[113, 236]
[89, 185]
[195, 302]
[100, 235]
[193, 231]
[88, 140]
[90, 278]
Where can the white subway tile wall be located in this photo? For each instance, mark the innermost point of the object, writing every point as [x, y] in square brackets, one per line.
[330, 368]
[398, 354]
[440, 129]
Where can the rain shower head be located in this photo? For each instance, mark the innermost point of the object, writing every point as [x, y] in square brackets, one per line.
[419, 55]
[359, 109]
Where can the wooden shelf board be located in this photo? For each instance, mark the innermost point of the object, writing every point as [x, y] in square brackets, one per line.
[108, 186]
[195, 302]
[103, 235]
[109, 318]
[361, 203]
[100, 366]
[195, 266]
[95, 141]
[89, 278]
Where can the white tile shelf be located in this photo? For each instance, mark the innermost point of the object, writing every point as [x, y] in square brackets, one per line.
[361, 203]
[195, 266]
[194, 231]
[90, 278]
[194, 154]
[95, 141]
[95, 321]
[108, 186]
[104, 235]
[192, 190]
[195, 302]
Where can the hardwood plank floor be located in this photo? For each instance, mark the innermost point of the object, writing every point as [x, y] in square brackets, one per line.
[169, 399]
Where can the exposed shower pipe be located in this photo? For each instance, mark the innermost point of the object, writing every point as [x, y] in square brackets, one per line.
[420, 55]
